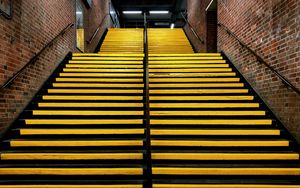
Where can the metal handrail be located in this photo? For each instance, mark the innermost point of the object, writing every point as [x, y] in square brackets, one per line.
[147, 108]
[261, 60]
[35, 58]
[192, 29]
[97, 30]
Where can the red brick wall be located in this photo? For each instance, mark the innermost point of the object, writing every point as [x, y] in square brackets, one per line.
[34, 23]
[92, 19]
[270, 27]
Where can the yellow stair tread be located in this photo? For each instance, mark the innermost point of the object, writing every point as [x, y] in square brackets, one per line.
[207, 113]
[82, 121]
[73, 186]
[215, 132]
[201, 98]
[186, 55]
[211, 121]
[225, 156]
[105, 54]
[105, 80]
[98, 85]
[188, 66]
[108, 58]
[204, 105]
[185, 58]
[105, 63]
[61, 131]
[189, 70]
[44, 104]
[224, 186]
[85, 112]
[188, 74]
[193, 80]
[166, 85]
[203, 61]
[225, 171]
[196, 91]
[74, 143]
[71, 171]
[110, 70]
[101, 74]
[221, 143]
[103, 66]
[80, 97]
[95, 91]
[70, 156]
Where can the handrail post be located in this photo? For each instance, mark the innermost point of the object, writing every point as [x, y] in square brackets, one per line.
[148, 157]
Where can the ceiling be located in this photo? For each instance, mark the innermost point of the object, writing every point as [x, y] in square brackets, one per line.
[154, 20]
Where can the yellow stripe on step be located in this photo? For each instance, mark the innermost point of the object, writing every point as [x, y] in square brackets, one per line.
[108, 58]
[225, 156]
[71, 156]
[195, 91]
[187, 74]
[102, 74]
[91, 98]
[95, 91]
[185, 55]
[176, 66]
[71, 171]
[74, 143]
[214, 132]
[106, 80]
[106, 62]
[185, 58]
[111, 70]
[105, 54]
[73, 186]
[191, 98]
[166, 85]
[92, 105]
[220, 143]
[193, 80]
[190, 70]
[109, 85]
[225, 171]
[186, 62]
[79, 131]
[204, 105]
[207, 113]
[85, 112]
[103, 66]
[82, 121]
[211, 122]
[224, 186]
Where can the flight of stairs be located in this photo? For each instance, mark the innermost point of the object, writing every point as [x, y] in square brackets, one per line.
[87, 125]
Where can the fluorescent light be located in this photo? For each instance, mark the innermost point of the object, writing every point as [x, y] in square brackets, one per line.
[172, 26]
[158, 11]
[132, 12]
[78, 12]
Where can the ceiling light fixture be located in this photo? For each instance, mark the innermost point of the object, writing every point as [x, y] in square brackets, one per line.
[132, 12]
[158, 11]
[172, 26]
[78, 12]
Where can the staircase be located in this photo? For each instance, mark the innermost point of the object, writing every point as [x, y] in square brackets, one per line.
[87, 126]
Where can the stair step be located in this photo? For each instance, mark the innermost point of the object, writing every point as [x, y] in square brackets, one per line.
[71, 156]
[194, 85]
[102, 74]
[203, 61]
[93, 98]
[185, 74]
[82, 121]
[190, 70]
[106, 85]
[215, 132]
[72, 186]
[207, 113]
[196, 91]
[202, 98]
[109, 58]
[186, 66]
[88, 105]
[226, 171]
[211, 122]
[104, 66]
[185, 58]
[221, 143]
[86, 112]
[108, 63]
[71, 171]
[194, 80]
[106, 80]
[110, 55]
[80, 131]
[73, 143]
[202, 105]
[225, 156]
[72, 91]
[111, 70]
[224, 186]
